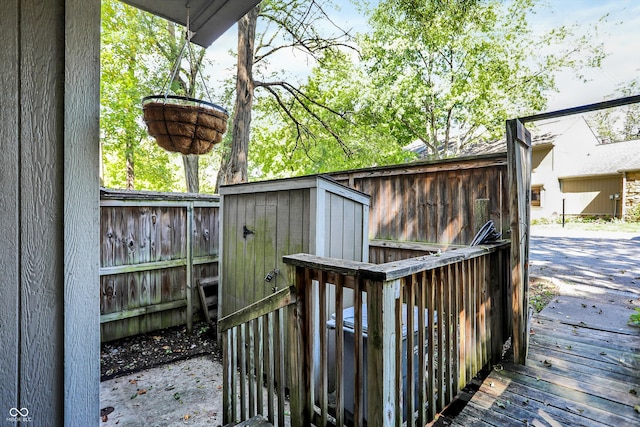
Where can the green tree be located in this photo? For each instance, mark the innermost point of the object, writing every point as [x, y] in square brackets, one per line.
[330, 123]
[130, 159]
[618, 124]
[452, 71]
[292, 25]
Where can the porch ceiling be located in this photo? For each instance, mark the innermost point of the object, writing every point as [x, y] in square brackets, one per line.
[209, 19]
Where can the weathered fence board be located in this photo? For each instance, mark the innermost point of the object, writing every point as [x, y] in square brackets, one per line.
[433, 201]
[154, 247]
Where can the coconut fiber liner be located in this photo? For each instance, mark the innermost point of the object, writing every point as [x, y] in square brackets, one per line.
[188, 129]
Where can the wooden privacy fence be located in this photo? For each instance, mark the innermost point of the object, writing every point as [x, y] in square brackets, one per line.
[154, 249]
[433, 201]
[419, 330]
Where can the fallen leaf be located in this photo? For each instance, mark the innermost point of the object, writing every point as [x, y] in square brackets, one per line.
[142, 391]
[186, 417]
[547, 364]
[134, 382]
[105, 418]
[637, 408]
[500, 404]
[602, 353]
[176, 396]
[633, 391]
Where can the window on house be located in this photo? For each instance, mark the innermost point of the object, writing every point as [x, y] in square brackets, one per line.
[536, 195]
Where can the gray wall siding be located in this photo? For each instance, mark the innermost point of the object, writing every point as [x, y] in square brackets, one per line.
[9, 207]
[49, 319]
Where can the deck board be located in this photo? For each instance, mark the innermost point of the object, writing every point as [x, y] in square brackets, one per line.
[576, 374]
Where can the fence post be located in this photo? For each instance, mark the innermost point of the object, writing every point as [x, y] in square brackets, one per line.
[189, 273]
[300, 365]
[480, 214]
[381, 351]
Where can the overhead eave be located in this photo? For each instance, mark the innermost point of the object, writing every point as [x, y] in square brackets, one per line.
[209, 19]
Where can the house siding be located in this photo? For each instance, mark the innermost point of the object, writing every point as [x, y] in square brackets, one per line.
[49, 311]
[591, 196]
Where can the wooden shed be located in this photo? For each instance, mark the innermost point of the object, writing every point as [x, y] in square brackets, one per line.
[263, 221]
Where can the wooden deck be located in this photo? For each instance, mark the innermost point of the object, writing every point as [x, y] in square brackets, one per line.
[577, 374]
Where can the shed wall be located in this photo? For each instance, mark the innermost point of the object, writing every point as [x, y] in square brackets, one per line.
[280, 222]
[300, 215]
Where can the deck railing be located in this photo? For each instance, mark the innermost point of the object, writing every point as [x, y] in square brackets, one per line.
[364, 363]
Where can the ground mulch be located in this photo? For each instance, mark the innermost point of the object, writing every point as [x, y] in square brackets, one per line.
[136, 353]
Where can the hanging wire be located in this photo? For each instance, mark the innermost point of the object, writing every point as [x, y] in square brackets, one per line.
[166, 87]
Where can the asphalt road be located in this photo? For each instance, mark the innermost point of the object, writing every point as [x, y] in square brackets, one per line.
[587, 262]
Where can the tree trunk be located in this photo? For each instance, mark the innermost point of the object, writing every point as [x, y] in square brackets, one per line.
[131, 176]
[190, 163]
[233, 168]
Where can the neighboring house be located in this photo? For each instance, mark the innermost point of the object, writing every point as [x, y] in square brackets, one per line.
[572, 172]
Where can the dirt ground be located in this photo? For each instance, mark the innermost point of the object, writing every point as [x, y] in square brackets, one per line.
[164, 378]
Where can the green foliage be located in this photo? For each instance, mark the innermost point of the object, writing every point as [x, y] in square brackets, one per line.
[334, 126]
[452, 72]
[137, 52]
[633, 213]
[635, 317]
[618, 124]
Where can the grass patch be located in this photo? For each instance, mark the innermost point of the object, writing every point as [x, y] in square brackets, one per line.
[541, 292]
[635, 317]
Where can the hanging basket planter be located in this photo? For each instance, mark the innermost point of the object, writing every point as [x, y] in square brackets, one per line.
[184, 125]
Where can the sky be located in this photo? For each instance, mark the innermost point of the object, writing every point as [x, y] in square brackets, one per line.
[619, 31]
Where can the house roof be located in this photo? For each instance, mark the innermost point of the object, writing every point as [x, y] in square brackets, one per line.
[606, 159]
[209, 19]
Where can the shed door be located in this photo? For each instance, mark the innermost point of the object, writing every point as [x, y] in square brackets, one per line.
[519, 159]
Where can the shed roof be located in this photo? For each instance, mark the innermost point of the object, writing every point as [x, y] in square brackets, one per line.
[209, 19]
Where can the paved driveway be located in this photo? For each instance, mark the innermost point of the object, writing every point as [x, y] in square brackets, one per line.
[587, 262]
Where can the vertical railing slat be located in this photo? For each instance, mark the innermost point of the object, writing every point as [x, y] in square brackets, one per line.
[449, 342]
[226, 377]
[324, 350]
[339, 346]
[234, 373]
[431, 344]
[398, 357]
[462, 320]
[410, 362]
[442, 324]
[280, 351]
[358, 350]
[259, 357]
[268, 363]
[251, 379]
[455, 353]
[243, 372]
[421, 386]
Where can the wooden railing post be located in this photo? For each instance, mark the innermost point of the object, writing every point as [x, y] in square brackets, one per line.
[381, 350]
[300, 365]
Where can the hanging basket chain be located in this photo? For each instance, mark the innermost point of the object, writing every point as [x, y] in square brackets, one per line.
[182, 123]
